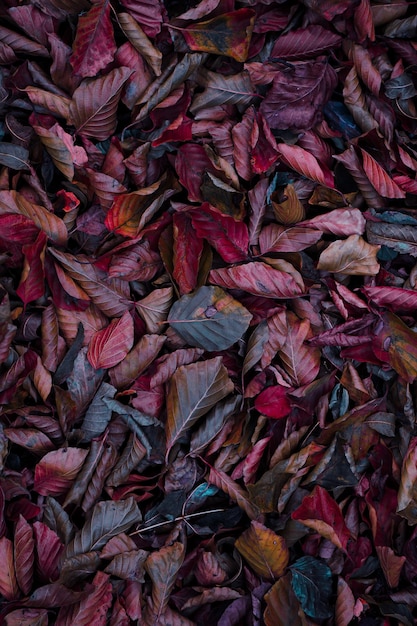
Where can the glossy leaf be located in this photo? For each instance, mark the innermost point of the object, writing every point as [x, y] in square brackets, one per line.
[209, 318]
[265, 551]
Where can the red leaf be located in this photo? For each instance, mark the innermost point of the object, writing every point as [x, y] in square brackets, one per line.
[342, 222]
[94, 45]
[32, 284]
[110, 346]
[18, 228]
[148, 13]
[187, 251]
[320, 512]
[396, 299]
[273, 402]
[24, 555]
[228, 236]
[93, 607]
[49, 549]
[57, 469]
[379, 178]
[306, 164]
[191, 162]
[257, 278]
[8, 584]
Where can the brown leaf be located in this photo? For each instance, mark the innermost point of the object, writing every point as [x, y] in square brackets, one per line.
[352, 256]
[93, 108]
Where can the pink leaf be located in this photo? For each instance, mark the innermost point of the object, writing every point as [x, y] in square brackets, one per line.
[110, 346]
[257, 278]
[56, 470]
[379, 178]
[306, 164]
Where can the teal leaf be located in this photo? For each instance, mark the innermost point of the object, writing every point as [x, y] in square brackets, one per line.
[312, 584]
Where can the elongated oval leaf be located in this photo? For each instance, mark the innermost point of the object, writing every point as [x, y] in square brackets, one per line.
[209, 318]
[352, 256]
[57, 469]
[108, 519]
[94, 44]
[312, 584]
[265, 551]
[193, 391]
[110, 346]
[93, 109]
[257, 278]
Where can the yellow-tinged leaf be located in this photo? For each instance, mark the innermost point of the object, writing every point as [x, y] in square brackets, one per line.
[228, 34]
[265, 551]
[352, 256]
[401, 343]
[51, 224]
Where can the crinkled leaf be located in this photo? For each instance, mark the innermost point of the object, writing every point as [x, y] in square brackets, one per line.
[94, 46]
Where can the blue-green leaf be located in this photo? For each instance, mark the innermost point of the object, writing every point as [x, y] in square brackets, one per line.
[312, 584]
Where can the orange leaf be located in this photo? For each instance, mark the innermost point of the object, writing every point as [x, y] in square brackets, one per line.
[265, 551]
[228, 34]
[110, 346]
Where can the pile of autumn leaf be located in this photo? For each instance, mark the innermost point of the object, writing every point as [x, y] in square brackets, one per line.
[207, 312]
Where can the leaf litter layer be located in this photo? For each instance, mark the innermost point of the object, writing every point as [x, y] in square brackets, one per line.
[208, 337]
